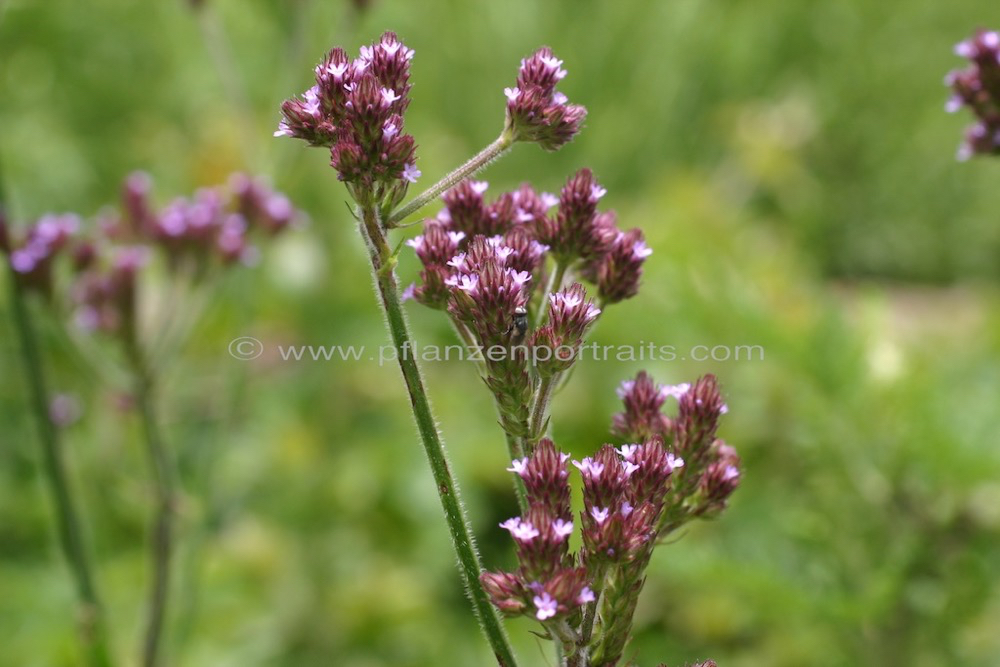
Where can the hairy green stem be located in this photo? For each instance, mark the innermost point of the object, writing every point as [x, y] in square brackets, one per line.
[579, 658]
[383, 271]
[621, 593]
[539, 410]
[474, 164]
[91, 619]
[164, 485]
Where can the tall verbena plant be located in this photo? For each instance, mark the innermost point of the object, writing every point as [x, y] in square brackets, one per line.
[125, 288]
[510, 275]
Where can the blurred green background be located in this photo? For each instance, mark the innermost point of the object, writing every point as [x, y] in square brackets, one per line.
[792, 167]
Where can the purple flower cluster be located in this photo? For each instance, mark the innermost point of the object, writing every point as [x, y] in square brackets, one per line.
[978, 88]
[501, 230]
[633, 496]
[32, 258]
[575, 233]
[213, 224]
[712, 470]
[550, 581]
[484, 262]
[197, 235]
[536, 111]
[556, 344]
[356, 110]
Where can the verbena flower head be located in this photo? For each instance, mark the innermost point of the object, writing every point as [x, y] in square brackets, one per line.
[214, 225]
[556, 345]
[356, 110]
[200, 235]
[549, 583]
[536, 111]
[618, 271]
[33, 255]
[577, 230]
[632, 496]
[978, 88]
[485, 291]
[642, 418]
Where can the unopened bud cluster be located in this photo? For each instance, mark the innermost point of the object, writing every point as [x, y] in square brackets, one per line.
[978, 88]
[633, 495]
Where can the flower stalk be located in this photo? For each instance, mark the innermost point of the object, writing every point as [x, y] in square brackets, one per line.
[161, 543]
[473, 165]
[382, 265]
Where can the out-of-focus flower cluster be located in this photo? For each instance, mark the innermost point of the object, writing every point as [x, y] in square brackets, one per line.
[211, 229]
[536, 111]
[671, 471]
[485, 263]
[978, 88]
[356, 110]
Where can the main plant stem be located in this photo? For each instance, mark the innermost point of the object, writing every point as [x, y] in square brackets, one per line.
[91, 621]
[474, 164]
[383, 271]
[161, 539]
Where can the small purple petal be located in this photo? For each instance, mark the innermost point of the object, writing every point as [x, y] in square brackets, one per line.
[562, 529]
[518, 466]
[411, 173]
[547, 606]
[600, 514]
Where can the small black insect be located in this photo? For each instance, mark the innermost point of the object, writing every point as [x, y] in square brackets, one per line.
[519, 324]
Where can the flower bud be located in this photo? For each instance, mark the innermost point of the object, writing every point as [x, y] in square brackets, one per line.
[577, 230]
[556, 345]
[698, 417]
[535, 110]
[642, 418]
[618, 271]
[135, 202]
[505, 590]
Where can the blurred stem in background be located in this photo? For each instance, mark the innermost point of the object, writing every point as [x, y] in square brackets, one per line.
[161, 538]
[383, 269]
[230, 77]
[91, 619]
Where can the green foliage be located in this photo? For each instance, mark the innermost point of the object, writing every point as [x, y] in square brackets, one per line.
[770, 150]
